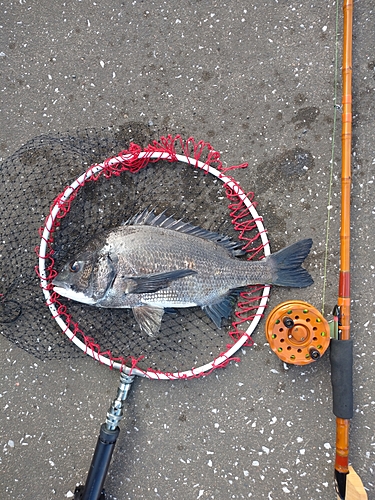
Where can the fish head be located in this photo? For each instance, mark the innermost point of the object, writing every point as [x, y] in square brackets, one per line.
[86, 278]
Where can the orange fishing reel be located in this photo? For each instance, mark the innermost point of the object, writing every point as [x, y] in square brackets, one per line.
[297, 332]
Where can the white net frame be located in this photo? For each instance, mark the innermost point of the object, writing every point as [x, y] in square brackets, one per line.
[68, 194]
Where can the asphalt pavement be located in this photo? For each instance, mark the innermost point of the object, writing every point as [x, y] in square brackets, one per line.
[257, 81]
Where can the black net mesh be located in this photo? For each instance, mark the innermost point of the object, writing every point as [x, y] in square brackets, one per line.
[32, 178]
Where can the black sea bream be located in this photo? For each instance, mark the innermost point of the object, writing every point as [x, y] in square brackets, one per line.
[153, 262]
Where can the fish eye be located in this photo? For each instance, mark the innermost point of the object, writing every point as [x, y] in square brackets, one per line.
[74, 267]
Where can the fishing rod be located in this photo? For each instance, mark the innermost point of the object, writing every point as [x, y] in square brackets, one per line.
[348, 483]
[299, 334]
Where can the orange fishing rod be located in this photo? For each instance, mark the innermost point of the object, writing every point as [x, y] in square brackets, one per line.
[342, 347]
[299, 343]
[342, 424]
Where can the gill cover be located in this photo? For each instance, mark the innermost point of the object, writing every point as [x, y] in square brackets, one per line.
[86, 279]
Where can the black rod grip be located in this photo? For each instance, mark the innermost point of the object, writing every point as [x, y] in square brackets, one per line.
[100, 464]
[342, 377]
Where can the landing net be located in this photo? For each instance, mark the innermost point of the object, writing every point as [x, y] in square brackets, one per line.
[187, 179]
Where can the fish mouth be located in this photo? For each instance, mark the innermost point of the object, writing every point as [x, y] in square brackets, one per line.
[71, 294]
[58, 283]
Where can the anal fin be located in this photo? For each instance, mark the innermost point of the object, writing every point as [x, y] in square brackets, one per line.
[221, 309]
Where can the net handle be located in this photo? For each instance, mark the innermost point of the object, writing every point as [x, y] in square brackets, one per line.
[43, 255]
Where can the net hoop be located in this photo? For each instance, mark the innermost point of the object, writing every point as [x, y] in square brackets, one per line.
[44, 250]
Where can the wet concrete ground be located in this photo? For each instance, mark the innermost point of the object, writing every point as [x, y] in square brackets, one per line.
[257, 81]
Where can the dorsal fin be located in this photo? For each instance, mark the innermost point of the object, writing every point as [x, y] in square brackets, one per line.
[149, 218]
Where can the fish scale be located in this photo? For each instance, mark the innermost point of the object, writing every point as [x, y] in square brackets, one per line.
[216, 270]
[154, 262]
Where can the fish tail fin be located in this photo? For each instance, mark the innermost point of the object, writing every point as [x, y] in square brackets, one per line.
[286, 265]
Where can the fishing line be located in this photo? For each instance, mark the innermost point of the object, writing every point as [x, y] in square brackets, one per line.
[329, 206]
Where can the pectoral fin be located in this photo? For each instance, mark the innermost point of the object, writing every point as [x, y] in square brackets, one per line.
[149, 318]
[149, 283]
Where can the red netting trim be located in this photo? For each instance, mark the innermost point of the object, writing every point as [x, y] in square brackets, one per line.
[199, 151]
[183, 375]
[253, 245]
[133, 160]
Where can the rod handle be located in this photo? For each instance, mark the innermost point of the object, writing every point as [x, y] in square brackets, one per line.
[341, 356]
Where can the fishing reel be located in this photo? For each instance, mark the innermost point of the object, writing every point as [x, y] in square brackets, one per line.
[297, 332]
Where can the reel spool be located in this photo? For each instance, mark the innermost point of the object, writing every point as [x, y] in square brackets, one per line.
[297, 333]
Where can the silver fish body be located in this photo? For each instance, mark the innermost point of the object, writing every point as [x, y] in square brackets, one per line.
[156, 262]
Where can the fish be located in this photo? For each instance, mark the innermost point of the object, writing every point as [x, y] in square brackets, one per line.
[154, 262]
